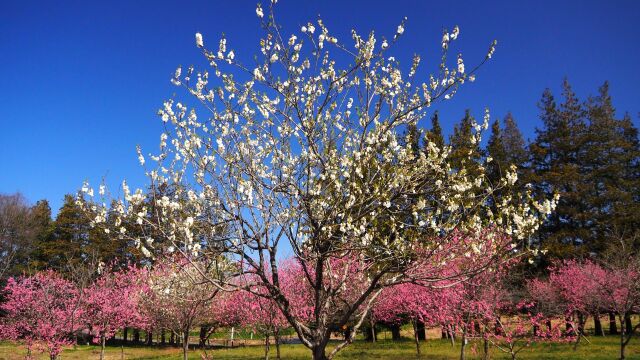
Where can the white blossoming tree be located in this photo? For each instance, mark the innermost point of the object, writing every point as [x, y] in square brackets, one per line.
[298, 152]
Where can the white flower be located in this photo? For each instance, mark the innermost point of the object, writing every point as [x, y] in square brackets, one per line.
[199, 41]
[455, 32]
[231, 55]
[400, 30]
[259, 11]
[384, 44]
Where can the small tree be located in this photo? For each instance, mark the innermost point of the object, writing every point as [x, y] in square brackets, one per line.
[42, 311]
[179, 295]
[521, 328]
[621, 286]
[112, 303]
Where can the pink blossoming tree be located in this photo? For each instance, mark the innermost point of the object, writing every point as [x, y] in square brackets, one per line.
[43, 311]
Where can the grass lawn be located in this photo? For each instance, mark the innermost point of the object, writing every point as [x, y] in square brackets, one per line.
[599, 348]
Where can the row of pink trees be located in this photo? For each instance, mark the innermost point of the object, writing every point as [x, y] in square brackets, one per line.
[46, 311]
[577, 290]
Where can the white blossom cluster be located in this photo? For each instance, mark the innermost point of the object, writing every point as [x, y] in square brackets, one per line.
[296, 147]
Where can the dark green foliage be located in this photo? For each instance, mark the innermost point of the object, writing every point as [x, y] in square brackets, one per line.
[463, 149]
[588, 156]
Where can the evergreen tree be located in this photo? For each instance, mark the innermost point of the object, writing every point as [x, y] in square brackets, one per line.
[43, 225]
[464, 148]
[556, 168]
[496, 152]
[435, 134]
[513, 143]
[610, 166]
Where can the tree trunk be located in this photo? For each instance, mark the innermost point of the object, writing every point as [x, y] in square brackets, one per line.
[613, 325]
[395, 332]
[485, 355]
[136, 336]
[628, 326]
[622, 342]
[422, 332]
[443, 332]
[102, 343]
[276, 335]
[317, 352]
[370, 331]
[597, 324]
[416, 336]
[185, 345]
[125, 334]
[463, 342]
[266, 346]
[203, 335]
[149, 338]
[163, 338]
[452, 335]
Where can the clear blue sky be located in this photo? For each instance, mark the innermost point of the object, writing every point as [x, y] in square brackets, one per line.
[81, 80]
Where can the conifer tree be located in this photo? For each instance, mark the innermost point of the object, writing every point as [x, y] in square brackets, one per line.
[465, 150]
[610, 166]
[435, 134]
[555, 161]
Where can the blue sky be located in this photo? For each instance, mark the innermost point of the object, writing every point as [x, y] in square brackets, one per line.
[81, 81]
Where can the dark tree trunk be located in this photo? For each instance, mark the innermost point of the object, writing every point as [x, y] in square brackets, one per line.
[149, 338]
[395, 332]
[266, 346]
[628, 327]
[172, 338]
[613, 325]
[597, 324]
[370, 332]
[136, 336]
[318, 352]
[125, 335]
[443, 332]
[416, 336]
[422, 332]
[203, 335]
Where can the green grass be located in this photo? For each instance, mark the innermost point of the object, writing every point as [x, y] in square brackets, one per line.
[599, 348]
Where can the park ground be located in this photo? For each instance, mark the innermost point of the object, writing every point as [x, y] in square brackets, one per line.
[598, 348]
